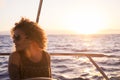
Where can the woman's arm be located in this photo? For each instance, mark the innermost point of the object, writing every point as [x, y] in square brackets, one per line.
[14, 66]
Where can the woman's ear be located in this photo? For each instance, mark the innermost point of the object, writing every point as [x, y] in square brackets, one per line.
[33, 43]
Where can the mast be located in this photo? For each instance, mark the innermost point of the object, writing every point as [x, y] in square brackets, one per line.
[39, 10]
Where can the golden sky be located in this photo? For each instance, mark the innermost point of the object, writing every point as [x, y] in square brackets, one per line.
[64, 16]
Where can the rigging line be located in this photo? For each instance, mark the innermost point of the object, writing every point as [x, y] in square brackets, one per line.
[98, 68]
[39, 10]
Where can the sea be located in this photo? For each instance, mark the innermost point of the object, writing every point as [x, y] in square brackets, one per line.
[74, 67]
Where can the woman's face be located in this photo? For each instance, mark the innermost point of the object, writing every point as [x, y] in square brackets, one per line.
[20, 40]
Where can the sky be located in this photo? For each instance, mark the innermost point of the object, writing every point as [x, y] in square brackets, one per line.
[64, 16]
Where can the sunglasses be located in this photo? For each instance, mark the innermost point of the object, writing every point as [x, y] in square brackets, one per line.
[16, 37]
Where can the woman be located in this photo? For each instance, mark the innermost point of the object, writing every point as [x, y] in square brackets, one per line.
[30, 58]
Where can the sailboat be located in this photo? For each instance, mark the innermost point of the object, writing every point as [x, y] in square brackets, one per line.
[88, 55]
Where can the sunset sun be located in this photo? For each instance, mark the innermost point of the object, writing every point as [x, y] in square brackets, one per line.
[84, 23]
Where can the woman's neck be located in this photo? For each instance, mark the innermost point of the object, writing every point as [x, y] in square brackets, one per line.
[34, 53]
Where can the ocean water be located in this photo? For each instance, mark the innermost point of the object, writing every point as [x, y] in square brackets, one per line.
[74, 67]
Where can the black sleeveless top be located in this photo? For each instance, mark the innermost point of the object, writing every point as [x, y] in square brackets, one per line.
[29, 69]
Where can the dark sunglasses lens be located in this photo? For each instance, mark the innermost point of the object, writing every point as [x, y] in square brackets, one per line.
[16, 37]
